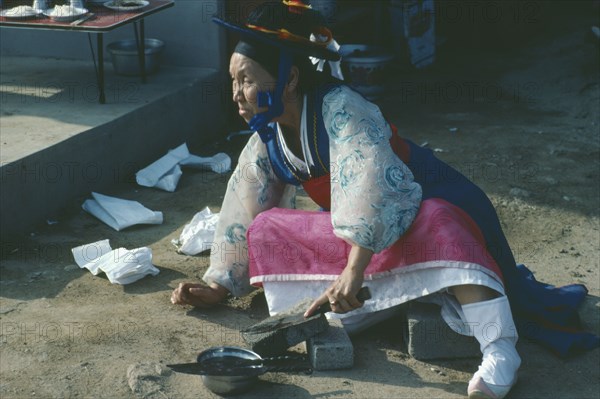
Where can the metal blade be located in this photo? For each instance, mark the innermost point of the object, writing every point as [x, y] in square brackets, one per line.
[221, 369]
[243, 367]
[274, 324]
[188, 368]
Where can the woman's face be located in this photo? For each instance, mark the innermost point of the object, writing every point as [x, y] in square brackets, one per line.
[248, 78]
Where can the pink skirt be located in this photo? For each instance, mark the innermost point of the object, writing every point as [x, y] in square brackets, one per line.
[442, 248]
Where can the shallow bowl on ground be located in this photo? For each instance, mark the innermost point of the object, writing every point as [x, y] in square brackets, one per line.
[124, 55]
[228, 385]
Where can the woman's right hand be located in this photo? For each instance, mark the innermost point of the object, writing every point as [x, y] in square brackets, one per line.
[342, 293]
[198, 295]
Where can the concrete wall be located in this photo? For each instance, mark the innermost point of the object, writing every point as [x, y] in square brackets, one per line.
[112, 148]
[191, 38]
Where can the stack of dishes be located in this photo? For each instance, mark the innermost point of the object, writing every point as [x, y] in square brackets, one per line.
[126, 5]
[20, 12]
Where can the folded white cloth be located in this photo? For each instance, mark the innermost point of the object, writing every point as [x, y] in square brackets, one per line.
[198, 235]
[121, 266]
[165, 172]
[119, 213]
[218, 163]
[87, 255]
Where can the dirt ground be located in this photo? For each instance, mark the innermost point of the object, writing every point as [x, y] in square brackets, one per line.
[524, 126]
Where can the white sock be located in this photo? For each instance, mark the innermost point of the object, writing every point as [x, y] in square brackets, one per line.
[500, 363]
[493, 327]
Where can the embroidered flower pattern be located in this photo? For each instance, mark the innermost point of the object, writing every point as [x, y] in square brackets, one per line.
[362, 232]
[235, 233]
[265, 176]
[350, 167]
[372, 132]
[338, 117]
[238, 277]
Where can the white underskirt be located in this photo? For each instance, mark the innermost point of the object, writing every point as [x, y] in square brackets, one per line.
[430, 285]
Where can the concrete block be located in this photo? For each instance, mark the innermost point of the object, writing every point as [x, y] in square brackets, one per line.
[274, 335]
[429, 337]
[331, 349]
[74, 145]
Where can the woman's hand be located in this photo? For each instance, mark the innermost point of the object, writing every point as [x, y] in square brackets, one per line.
[341, 295]
[198, 295]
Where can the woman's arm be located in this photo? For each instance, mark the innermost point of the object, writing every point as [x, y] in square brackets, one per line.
[341, 295]
[374, 198]
[252, 188]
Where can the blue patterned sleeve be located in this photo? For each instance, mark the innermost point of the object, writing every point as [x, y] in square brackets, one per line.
[374, 198]
[252, 188]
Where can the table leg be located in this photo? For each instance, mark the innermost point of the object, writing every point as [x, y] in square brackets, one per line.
[141, 46]
[143, 40]
[100, 46]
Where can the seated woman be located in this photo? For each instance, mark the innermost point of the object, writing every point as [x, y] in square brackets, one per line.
[394, 217]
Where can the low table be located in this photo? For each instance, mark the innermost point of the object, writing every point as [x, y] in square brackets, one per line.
[104, 20]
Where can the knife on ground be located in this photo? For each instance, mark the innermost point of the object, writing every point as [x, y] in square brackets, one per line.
[231, 366]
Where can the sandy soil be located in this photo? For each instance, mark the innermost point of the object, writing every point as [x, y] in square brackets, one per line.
[529, 136]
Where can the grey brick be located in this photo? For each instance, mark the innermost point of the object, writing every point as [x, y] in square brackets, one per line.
[331, 349]
[429, 337]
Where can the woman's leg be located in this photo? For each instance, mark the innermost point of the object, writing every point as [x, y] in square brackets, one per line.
[487, 314]
[470, 293]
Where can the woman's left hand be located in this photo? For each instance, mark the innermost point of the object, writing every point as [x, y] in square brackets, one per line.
[341, 295]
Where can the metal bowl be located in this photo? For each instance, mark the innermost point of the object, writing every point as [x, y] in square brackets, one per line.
[366, 68]
[228, 385]
[124, 55]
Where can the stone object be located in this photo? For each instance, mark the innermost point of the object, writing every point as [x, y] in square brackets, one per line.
[429, 337]
[331, 349]
[146, 379]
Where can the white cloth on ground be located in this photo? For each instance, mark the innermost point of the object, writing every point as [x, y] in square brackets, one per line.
[165, 172]
[121, 266]
[119, 213]
[198, 235]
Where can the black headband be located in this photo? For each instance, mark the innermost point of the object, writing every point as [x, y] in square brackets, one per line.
[266, 56]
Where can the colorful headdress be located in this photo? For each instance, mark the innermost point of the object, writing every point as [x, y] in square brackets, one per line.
[296, 30]
[287, 25]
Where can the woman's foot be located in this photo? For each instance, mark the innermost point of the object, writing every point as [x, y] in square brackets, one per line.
[497, 373]
[479, 389]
